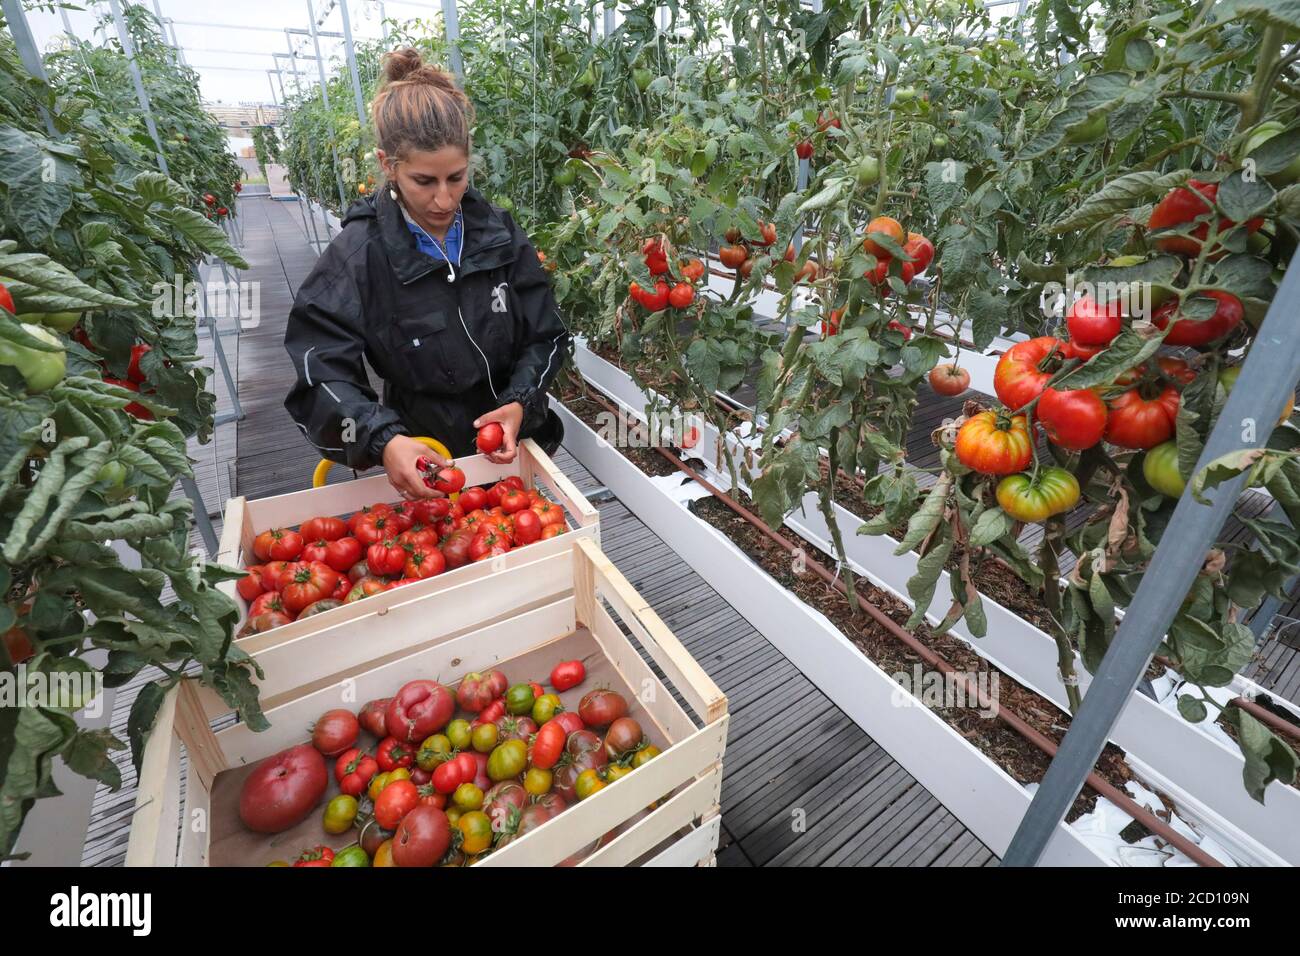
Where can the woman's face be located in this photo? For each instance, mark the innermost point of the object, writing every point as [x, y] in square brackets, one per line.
[431, 183]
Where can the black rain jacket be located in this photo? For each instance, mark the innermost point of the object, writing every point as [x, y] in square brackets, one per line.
[449, 350]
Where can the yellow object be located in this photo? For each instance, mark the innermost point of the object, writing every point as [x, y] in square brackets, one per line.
[323, 469]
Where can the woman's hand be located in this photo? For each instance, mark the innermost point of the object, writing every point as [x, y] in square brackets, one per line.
[402, 455]
[510, 417]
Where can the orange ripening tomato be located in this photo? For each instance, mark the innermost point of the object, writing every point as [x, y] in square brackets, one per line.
[885, 225]
[1024, 370]
[994, 443]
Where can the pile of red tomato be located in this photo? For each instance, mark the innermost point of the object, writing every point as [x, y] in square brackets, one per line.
[738, 253]
[433, 790]
[679, 295]
[331, 561]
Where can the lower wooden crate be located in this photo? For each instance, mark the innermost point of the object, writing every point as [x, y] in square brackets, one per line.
[354, 661]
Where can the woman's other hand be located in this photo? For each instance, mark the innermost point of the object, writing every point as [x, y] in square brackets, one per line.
[402, 457]
[509, 417]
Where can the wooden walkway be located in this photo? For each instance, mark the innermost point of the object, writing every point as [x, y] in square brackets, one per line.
[803, 784]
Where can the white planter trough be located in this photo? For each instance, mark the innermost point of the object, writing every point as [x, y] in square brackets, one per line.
[1196, 764]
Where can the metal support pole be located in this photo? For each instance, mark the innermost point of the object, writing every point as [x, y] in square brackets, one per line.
[16, 18]
[129, 49]
[67, 24]
[451, 23]
[351, 53]
[609, 18]
[1271, 367]
[383, 22]
[201, 518]
[325, 100]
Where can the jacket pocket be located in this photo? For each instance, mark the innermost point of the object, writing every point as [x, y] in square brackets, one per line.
[420, 350]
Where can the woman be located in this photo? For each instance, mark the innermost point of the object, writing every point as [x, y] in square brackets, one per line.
[440, 290]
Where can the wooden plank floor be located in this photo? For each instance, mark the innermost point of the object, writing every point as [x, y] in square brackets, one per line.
[802, 785]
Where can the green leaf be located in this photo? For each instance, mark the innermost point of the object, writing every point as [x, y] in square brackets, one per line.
[987, 311]
[1268, 757]
[1117, 196]
[40, 184]
[204, 233]
[64, 291]
[927, 517]
[1192, 708]
[154, 187]
[144, 712]
[991, 525]
[921, 586]
[1127, 350]
[87, 754]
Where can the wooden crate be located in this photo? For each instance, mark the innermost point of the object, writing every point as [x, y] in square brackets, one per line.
[560, 609]
[245, 519]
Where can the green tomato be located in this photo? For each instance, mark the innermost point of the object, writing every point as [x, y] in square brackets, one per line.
[587, 79]
[458, 732]
[1160, 469]
[41, 370]
[642, 79]
[1088, 132]
[1056, 491]
[1261, 134]
[565, 176]
[904, 94]
[340, 814]
[468, 797]
[939, 141]
[113, 472]
[508, 760]
[868, 171]
[351, 856]
[520, 699]
[58, 321]
[546, 707]
[484, 737]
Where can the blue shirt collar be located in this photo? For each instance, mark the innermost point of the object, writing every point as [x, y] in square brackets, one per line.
[431, 248]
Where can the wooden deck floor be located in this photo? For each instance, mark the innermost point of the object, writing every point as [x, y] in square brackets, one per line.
[802, 785]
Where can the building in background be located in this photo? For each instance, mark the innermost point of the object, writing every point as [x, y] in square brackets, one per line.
[243, 116]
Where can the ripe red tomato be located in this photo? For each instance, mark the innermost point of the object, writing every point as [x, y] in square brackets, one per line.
[323, 529]
[1093, 324]
[335, 732]
[392, 754]
[395, 801]
[949, 379]
[1074, 350]
[421, 708]
[256, 624]
[568, 674]
[449, 480]
[920, 249]
[309, 583]
[548, 745]
[354, 770]
[885, 226]
[487, 543]
[250, 586]
[270, 601]
[804, 150]
[693, 271]
[283, 789]
[473, 499]
[133, 373]
[455, 549]
[386, 557]
[372, 716]
[430, 510]
[657, 301]
[423, 837]
[901, 328]
[1024, 370]
[313, 551]
[425, 563]
[1136, 422]
[514, 501]
[355, 519]
[401, 516]
[476, 690]
[602, 707]
[994, 444]
[549, 512]
[1074, 418]
[1189, 331]
[490, 437]
[343, 553]
[449, 775]
[732, 256]
[528, 527]
[278, 544]
[315, 858]
[681, 295]
[1181, 205]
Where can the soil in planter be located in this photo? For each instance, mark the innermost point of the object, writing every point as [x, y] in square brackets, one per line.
[1019, 758]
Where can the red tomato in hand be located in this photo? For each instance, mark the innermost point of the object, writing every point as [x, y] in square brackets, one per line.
[1073, 418]
[490, 437]
[449, 480]
[568, 674]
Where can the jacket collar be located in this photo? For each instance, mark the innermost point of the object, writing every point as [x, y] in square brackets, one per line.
[486, 242]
